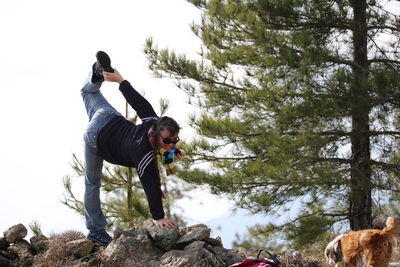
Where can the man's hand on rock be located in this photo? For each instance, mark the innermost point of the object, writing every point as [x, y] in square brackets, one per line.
[166, 223]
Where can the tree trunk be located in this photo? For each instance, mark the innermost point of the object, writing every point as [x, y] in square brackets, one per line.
[129, 193]
[360, 207]
[130, 197]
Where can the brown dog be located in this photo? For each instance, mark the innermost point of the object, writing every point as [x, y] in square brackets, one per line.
[372, 247]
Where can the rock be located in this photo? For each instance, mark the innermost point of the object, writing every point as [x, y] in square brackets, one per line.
[136, 247]
[148, 224]
[15, 233]
[133, 232]
[94, 262]
[22, 249]
[185, 230]
[97, 248]
[176, 258]
[196, 245]
[8, 255]
[4, 261]
[193, 233]
[135, 250]
[39, 243]
[229, 256]
[80, 248]
[118, 232]
[3, 243]
[297, 255]
[195, 255]
[216, 242]
[165, 238]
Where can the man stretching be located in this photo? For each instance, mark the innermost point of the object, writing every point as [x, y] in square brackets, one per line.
[109, 136]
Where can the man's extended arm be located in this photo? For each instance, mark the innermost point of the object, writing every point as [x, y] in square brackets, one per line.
[142, 107]
[153, 192]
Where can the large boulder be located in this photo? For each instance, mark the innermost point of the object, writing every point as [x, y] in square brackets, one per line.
[214, 241]
[229, 256]
[135, 249]
[15, 233]
[4, 261]
[3, 243]
[39, 243]
[24, 251]
[195, 254]
[6, 258]
[8, 255]
[164, 238]
[191, 234]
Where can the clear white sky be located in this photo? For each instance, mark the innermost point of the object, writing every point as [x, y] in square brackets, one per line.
[47, 48]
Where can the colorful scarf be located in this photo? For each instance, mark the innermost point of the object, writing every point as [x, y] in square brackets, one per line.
[167, 158]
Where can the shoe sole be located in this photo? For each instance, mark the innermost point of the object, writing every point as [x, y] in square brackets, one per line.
[104, 61]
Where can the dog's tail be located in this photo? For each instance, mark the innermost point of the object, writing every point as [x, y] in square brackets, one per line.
[393, 229]
[333, 251]
[392, 225]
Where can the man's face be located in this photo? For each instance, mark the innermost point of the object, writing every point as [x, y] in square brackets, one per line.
[165, 141]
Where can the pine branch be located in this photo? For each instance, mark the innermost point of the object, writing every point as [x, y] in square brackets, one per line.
[215, 158]
[383, 27]
[335, 133]
[343, 133]
[337, 160]
[342, 62]
[384, 60]
[388, 188]
[210, 81]
[177, 74]
[344, 215]
[384, 164]
[375, 133]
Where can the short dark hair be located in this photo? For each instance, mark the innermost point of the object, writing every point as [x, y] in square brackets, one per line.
[166, 123]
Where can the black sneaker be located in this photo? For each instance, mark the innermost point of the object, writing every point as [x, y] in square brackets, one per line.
[101, 237]
[97, 73]
[104, 61]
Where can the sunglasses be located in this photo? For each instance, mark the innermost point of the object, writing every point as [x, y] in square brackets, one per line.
[168, 141]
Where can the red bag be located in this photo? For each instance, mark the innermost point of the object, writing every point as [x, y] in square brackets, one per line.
[259, 262]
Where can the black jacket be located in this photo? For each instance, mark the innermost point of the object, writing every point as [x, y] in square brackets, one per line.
[124, 143]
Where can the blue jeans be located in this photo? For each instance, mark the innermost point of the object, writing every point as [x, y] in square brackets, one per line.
[100, 112]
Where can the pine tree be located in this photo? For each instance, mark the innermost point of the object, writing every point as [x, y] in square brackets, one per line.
[299, 102]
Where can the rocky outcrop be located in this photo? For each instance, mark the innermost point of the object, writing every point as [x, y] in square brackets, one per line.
[164, 238]
[14, 247]
[15, 233]
[147, 246]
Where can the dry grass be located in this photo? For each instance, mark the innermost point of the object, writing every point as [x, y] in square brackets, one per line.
[296, 259]
[57, 254]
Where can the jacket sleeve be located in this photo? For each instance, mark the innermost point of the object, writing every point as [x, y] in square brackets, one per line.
[142, 107]
[149, 177]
